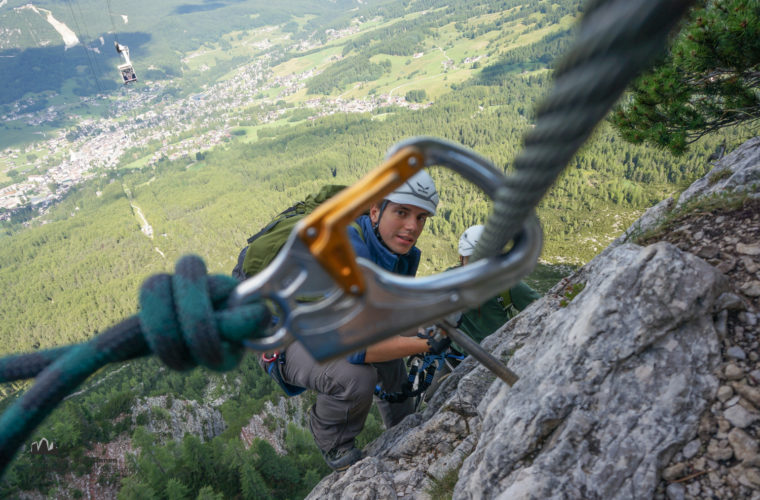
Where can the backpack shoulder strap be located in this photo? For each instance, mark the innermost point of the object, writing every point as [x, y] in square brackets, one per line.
[358, 228]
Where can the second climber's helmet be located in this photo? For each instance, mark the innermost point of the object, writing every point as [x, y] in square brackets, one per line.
[418, 191]
[469, 239]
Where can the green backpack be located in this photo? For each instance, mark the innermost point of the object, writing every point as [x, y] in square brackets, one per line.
[264, 246]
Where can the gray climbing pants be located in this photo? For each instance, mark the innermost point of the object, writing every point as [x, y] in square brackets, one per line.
[344, 394]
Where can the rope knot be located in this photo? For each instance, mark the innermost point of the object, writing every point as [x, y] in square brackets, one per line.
[184, 320]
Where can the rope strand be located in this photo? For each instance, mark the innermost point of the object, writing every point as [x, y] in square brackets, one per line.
[617, 39]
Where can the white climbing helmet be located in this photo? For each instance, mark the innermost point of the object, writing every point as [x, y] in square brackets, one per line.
[418, 191]
[469, 239]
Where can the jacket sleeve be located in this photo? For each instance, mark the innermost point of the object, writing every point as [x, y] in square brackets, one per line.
[522, 295]
[357, 358]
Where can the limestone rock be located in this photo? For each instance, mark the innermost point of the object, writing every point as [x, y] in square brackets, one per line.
[368, 480]
[691, 449]
[287, 410]
[733, 372]
[744, 168]
[172, 418]
[753, 249]
[751, 289]
[676, 491]
[736, 352]
[674, 471]
[740, 417]
[718, 450]
[749, 393]
[725, 392]
[609, 385]
[745, 446]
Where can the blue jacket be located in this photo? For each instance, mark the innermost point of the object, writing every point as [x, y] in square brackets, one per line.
[368, 246]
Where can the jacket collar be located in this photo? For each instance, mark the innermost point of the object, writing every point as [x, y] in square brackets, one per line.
[405, 264]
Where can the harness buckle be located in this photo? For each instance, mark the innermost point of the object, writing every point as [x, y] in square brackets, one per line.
[267, 358]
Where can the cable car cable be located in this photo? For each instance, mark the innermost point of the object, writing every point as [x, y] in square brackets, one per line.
[92, 40]
[84, 46]
[110, 16]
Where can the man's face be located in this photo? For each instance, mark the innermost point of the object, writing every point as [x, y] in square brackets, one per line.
[400, 225]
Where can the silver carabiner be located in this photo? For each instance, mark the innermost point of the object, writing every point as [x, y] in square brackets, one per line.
[334, 303]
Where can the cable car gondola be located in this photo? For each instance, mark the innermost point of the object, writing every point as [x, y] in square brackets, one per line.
[126, 69]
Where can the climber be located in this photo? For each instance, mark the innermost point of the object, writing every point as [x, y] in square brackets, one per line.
[345, 386]
[482, 321]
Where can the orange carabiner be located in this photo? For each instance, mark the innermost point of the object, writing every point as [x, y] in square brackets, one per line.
[324, 230]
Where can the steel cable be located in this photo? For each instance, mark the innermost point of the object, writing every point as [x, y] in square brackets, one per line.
[616, 41]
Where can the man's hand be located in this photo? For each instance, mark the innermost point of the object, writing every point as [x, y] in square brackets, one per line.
[438, 342]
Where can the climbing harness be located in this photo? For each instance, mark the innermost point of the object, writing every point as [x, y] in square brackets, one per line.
[422, 370]
[191, 318]
[272, 363]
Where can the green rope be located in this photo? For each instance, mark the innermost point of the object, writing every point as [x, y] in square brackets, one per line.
[183, 319]
[616, 41]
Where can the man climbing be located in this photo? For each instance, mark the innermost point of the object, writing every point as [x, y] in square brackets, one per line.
[482, 321]
[345, 387]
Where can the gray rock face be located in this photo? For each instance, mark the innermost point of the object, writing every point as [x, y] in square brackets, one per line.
[609, 387]
[735, 172]
[287, 410]
[177, 417]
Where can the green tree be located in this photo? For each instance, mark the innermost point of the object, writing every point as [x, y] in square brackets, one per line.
[416, 95]
[708, 80]
[175, 490]
[252, 484]
[208, 493]
[133, 489]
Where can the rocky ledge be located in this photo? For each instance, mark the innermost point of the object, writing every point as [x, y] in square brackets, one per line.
[723, 460]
